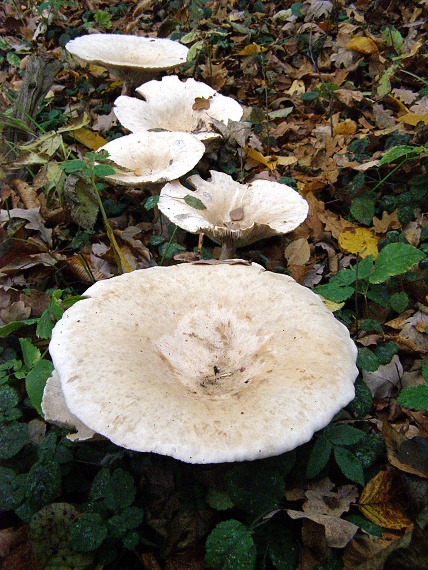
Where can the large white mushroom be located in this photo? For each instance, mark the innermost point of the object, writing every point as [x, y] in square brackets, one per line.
[230, 213]
[134, 59]
[152, 159]
[204, 362]
[175, 105]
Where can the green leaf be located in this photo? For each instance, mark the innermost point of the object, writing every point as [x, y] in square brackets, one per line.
[365, 524]
[398, 151]
[169, 250]
[88, 532]
[13, 59]
[131, 540]
[386, 351]
[128, 519]
[395, 259]
[49, 536]
[117, 490]
[363, 401]
[151, 202]
[425, 370]
[335, 293]
[365, 267]
[102, 170]
[309, 96]
[194, 202]
[30, 353]
[349, 465]
[371, 325]
[72, 166]
[343, 434]
[44, 484]
[254, 488]
[399, 302]
[392, 38]
[11, 327]
[283, 551]
[219, 500]
[35, 382]
[12, 489]
[8, 398]
[414, 397]
[367, 359]
[369, 449]
[362, 208]
[319, 457]
[230, 547]
[156, 240]
[13, 437]
[379, 294]
[82, 200]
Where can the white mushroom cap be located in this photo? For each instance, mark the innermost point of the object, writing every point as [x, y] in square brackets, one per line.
[205, 363]
[54, 408]
[237, 213]
[168, 104]
[131, 58]
[153, 158]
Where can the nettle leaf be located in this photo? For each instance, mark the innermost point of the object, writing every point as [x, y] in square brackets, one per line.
[335, 293]
[343, 434]
[13, 437]
[49, 535]
[230, 547]
[129, 519]
[117, 490]
[363, 401]
[367, 359]
[399, 301]
[35, 382]
[386, 351]
[254, 488]
[88, 532]
[414, 397]
[395, 259]
[349, 464]
[319, 457]
[363, 209]
[73, 166]
[194, 202]
[102, 170]
[369, 449]
[44, 484]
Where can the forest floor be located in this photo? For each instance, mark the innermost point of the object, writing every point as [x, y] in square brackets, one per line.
[335, 99]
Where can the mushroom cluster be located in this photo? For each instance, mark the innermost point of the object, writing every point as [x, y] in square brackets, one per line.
[249, 365]
[236, 362]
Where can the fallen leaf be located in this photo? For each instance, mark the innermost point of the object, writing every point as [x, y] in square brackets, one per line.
[237, 214]
[362, 45]
[34, 219]
[370, 552]
[347, 127]
[362, 241]
[385, 379]
[89, 139]
[387, 222]
[413, 119]
[201, 103]
[250, 49]
[338, 532]
[298, 252]
[258, 157]
[382, 502]
[408, 455]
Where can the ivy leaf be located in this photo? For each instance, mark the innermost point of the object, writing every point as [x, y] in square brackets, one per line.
[395, 259]
[319, 457]
[414, 397]
[367, 359]
[88, 532]
[349, 465]
[230, 547]
[194, 202]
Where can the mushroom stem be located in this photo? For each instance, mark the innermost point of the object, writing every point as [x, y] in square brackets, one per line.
[227, 250]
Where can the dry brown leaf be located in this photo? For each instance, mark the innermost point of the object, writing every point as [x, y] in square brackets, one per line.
[34, 219]
[384, 381]
[370, 552]
[347, 127]
[388, 222]
[348, 97]
[402, 454]
[201, 104]
[298, 252]
[413, 119]
[16, 312]
[362, 45]
[338, 532]
[405, 95]
[381, 501]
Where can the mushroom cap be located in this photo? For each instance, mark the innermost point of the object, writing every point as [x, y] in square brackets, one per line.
[168, 104]
[235, 212]
[55, 410]
[153, 158]
[205, 363]
[134, 58]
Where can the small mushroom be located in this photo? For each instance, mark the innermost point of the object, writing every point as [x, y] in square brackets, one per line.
[204, 362]
[175, 105]
[230, 213]
[152, 159]
[134, 59]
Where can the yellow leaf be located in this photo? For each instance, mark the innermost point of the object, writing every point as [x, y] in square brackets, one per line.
[362, 45]
[297, 88]
[250, 49]
[257, 156]
[381, 501]
[97, 70]
[286, 160]
[413, 119]
[89, 139]
[348, 127]
[359, 240]
[331, 305]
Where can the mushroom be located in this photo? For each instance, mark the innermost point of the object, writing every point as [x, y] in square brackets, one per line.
[205, 362]
[230, 213]
[55, 410]
[175, 105]
[151, 159]
[134, 59]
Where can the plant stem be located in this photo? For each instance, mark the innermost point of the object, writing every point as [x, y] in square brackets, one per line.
[388, 175]
[169, 245]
